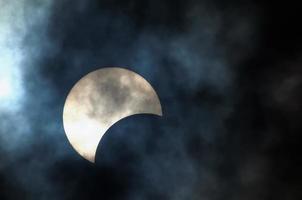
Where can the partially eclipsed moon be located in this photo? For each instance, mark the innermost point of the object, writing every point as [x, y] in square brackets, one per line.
[100, 99]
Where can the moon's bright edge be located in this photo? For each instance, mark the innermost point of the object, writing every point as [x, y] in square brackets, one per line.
[100, 99]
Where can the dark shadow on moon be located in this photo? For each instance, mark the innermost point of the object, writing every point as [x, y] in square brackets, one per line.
[125, 148]
[130, 136]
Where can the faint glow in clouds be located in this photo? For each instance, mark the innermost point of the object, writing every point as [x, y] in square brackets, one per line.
[10, 77]
[12, 31]
[18, 18]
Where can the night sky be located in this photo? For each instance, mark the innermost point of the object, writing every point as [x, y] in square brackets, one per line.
[228, 75]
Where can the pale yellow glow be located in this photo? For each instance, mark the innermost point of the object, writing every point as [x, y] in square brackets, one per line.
[99, 100]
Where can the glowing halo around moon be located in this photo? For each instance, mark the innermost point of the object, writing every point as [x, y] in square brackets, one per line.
[99, 100]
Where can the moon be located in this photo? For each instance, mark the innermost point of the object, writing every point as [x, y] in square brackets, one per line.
[99, 100]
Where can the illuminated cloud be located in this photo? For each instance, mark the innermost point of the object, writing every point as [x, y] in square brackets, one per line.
[12, 30]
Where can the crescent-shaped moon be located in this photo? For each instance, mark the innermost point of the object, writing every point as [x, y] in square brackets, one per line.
[99, 100]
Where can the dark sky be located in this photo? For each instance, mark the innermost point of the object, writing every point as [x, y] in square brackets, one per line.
[228, 74]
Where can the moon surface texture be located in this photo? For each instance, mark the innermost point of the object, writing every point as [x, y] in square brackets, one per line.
[100, 99]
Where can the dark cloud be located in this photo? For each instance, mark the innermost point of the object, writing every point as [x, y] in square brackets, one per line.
[227, 74]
